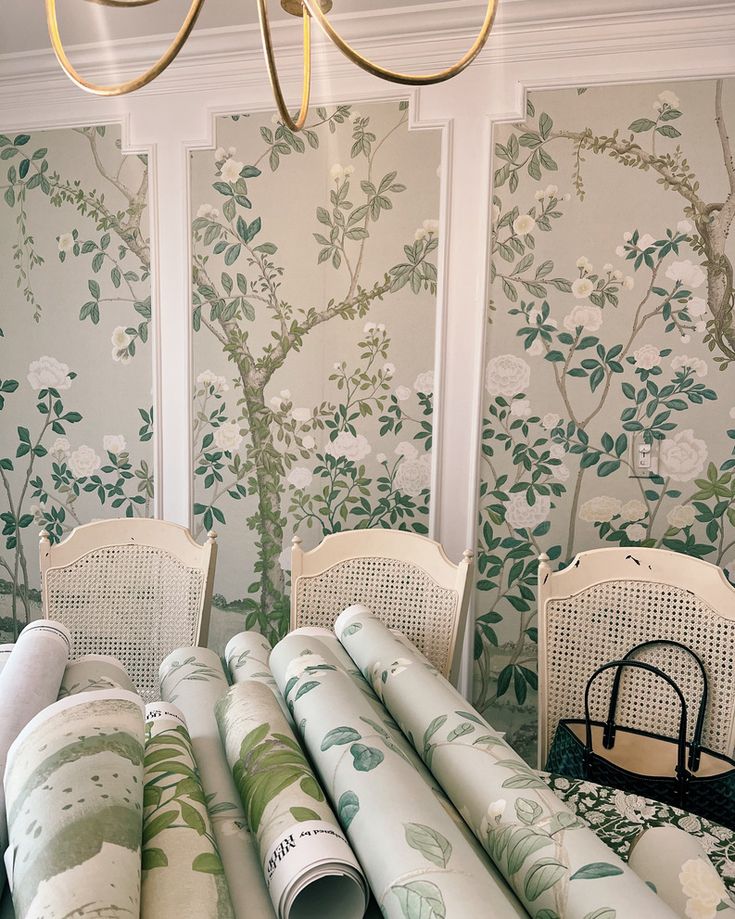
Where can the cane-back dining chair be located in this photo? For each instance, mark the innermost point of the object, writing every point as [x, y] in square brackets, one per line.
[134, 588]
[608, 600]
[404, 579]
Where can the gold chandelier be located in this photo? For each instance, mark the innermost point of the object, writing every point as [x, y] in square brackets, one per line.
[306, 10]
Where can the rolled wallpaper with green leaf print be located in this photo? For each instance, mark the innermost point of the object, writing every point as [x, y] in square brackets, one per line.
[75, 314]
[611, 325]
[314, 313]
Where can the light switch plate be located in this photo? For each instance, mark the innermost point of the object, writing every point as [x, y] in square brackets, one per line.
[644, 454]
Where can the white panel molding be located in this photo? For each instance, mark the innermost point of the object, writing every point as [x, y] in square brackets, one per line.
[535, 45]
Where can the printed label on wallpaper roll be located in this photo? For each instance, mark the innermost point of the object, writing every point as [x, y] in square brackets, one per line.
[302, 848]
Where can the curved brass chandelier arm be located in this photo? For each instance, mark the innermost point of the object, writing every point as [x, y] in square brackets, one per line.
[394, 76]
[130, 86]
[265, 33]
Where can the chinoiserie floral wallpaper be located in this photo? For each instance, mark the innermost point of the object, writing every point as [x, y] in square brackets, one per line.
[75, 354]
[611, 323]
[314, 314]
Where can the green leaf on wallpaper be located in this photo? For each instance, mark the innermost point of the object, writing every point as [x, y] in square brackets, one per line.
[208, 863]
[301, 814]
[528, 811]
[460, 731]
[158, 824]
[365, 759]
[307, 687]
[338, 736]
[348, 807]
[153, 858]
[522, 843]
[641, 124]
[547, 914]
[352, 629]
[429, 842]
[192, 818]
[310, 787]
[596, 870]
[668, 130]
[543, 874]
[420, 900]
[604, 912]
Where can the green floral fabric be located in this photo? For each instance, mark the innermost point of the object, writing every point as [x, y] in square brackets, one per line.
[618, 818]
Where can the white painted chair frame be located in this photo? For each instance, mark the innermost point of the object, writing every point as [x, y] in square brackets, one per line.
[357, 555]
[172, 545]
[608, 600]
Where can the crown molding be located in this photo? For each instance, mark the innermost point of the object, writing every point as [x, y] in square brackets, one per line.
[420, 37]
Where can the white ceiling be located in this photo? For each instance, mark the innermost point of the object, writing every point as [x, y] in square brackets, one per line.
[82, 22]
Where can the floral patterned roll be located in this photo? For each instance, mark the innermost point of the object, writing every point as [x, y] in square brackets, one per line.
[193, 680]
[305, 857]
[557, 866]
[182, 870]
[74, 792]
[94, 671]
[676, 866]
[246, 656]
[418, 862]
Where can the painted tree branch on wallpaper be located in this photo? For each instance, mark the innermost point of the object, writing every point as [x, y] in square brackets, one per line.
[42, 476]
[606, 347]
[277, 437]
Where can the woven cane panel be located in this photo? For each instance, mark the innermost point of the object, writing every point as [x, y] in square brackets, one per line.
[137, 603]
[604, 621]
[402, 595]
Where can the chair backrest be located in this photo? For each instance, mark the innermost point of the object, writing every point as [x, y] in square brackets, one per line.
[403, 578]
[134, 588]
[608, 600]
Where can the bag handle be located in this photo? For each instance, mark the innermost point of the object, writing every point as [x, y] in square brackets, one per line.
[695, 748]
[681, 770]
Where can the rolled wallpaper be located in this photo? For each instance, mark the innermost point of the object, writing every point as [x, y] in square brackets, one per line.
[418, 862]
[246, 656]
[193, 680]
[557, 866]
[5, 652]
[94, 671]
[31, 678]
[74, 791]
[676, 866]
[182, 870]
[307, 862]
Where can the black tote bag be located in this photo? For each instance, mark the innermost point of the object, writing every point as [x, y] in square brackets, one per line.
[667, 769]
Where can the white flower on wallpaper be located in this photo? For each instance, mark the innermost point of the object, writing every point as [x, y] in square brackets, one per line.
[231, 170]
[561, 473]
[48, 373]
[520, 408]
[681, 515]
[647, 357]
[209, 380]
[427, 228]
[524, 224]
[120, 342]
[686, 273]
[114, 443]
[60, 448]
[703, 887]
[683, 456]
[301, 414]
[695, 364]
[353, 447]
[633, 510]
[697, 307]
[208, 212]
[583, 316]
[406, 449]
[600, 509]
[300, 477]
[550, 420]
[424, 382]
[66, 242]
[666, 98]
[84, 461]
[522, 515]
[636, 533]
[413, 474]
[402, 393]
[507, 375]
[228, 436]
